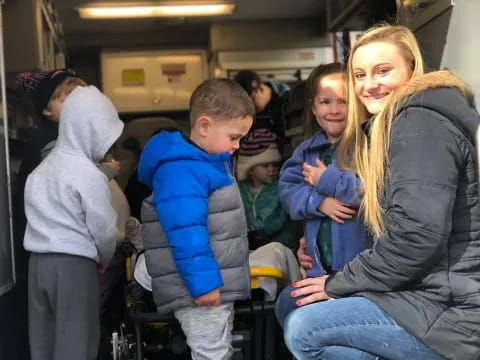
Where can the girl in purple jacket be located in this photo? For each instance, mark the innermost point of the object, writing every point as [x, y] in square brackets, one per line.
[313, 187]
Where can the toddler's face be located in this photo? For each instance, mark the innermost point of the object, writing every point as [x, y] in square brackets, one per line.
[52, 111]
[264, 173]
[330, 105]
[225, 135]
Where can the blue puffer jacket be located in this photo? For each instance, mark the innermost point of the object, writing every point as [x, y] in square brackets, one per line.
[199, 242]
[302, 200]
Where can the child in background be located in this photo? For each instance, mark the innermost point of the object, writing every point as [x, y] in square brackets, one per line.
[194, 228]
[258, 182]
[314, 189]
[114, 272]
[47, 90]
[270, 99]
[71, 228]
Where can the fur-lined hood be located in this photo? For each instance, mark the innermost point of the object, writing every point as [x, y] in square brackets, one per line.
[432, 80]
[443, 92]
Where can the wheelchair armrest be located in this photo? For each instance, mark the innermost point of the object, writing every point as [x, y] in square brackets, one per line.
[264, 271]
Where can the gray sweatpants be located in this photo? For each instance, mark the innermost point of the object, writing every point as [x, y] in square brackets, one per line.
[63, 307]
[208, 330]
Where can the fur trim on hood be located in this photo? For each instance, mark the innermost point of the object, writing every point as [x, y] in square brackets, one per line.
[443, 92]
[432, 80]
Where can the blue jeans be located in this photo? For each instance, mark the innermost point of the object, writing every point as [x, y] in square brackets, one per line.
[285, 304]
[350, 328]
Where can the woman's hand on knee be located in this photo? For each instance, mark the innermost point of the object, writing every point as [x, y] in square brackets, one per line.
[313, 290]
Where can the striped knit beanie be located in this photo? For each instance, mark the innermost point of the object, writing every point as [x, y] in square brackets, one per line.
[258, 147]
[256, 141]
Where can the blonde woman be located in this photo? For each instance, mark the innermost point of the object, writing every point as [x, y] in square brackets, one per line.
[416, 293]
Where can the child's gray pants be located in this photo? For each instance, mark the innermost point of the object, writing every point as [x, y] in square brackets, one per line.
[208, 330]
[63, 307]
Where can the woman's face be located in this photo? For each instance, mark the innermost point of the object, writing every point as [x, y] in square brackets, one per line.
[378, 69]
[330, 105]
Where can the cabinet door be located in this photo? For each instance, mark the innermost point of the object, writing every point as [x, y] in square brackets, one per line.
[152, 81]
[36, 39]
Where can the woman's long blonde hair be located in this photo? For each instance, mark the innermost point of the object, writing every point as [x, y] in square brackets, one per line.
[369, 158]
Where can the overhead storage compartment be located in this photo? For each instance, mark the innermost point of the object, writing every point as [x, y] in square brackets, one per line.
[282, 64]
[358, 14]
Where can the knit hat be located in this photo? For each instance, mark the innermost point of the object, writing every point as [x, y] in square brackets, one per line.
[257, 141]
[41, 85]
[248, 80]
[246, 163]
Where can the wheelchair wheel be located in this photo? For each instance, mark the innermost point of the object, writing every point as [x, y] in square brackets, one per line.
[120, 345]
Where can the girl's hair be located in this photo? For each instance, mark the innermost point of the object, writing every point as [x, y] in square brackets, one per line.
[370, 159]
[313, 81]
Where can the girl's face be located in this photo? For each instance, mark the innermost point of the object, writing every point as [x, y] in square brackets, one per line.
[264, 173]
[378, 69]
[330, 105]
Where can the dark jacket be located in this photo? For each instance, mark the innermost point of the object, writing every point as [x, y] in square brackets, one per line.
[43, 133]
[194, 226]
[136, 192]
[301, 201]
[273, 116]
[424, 271]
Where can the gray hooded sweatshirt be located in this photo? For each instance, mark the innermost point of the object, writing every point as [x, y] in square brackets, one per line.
[67, 199]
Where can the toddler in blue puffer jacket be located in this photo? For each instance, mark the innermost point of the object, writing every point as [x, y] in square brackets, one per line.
[194, 226]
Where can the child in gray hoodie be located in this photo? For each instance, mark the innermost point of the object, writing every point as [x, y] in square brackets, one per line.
[71, 228]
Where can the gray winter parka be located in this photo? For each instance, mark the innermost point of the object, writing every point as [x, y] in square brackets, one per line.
[424, 271]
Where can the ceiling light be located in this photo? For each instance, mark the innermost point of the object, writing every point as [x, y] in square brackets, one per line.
[129, 10]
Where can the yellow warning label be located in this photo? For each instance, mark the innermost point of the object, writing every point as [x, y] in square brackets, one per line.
[133, 77]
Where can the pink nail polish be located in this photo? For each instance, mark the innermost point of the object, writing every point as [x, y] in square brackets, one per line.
[293, 294]
[298, 303]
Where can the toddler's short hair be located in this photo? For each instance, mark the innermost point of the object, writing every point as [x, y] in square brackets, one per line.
[222, 99]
